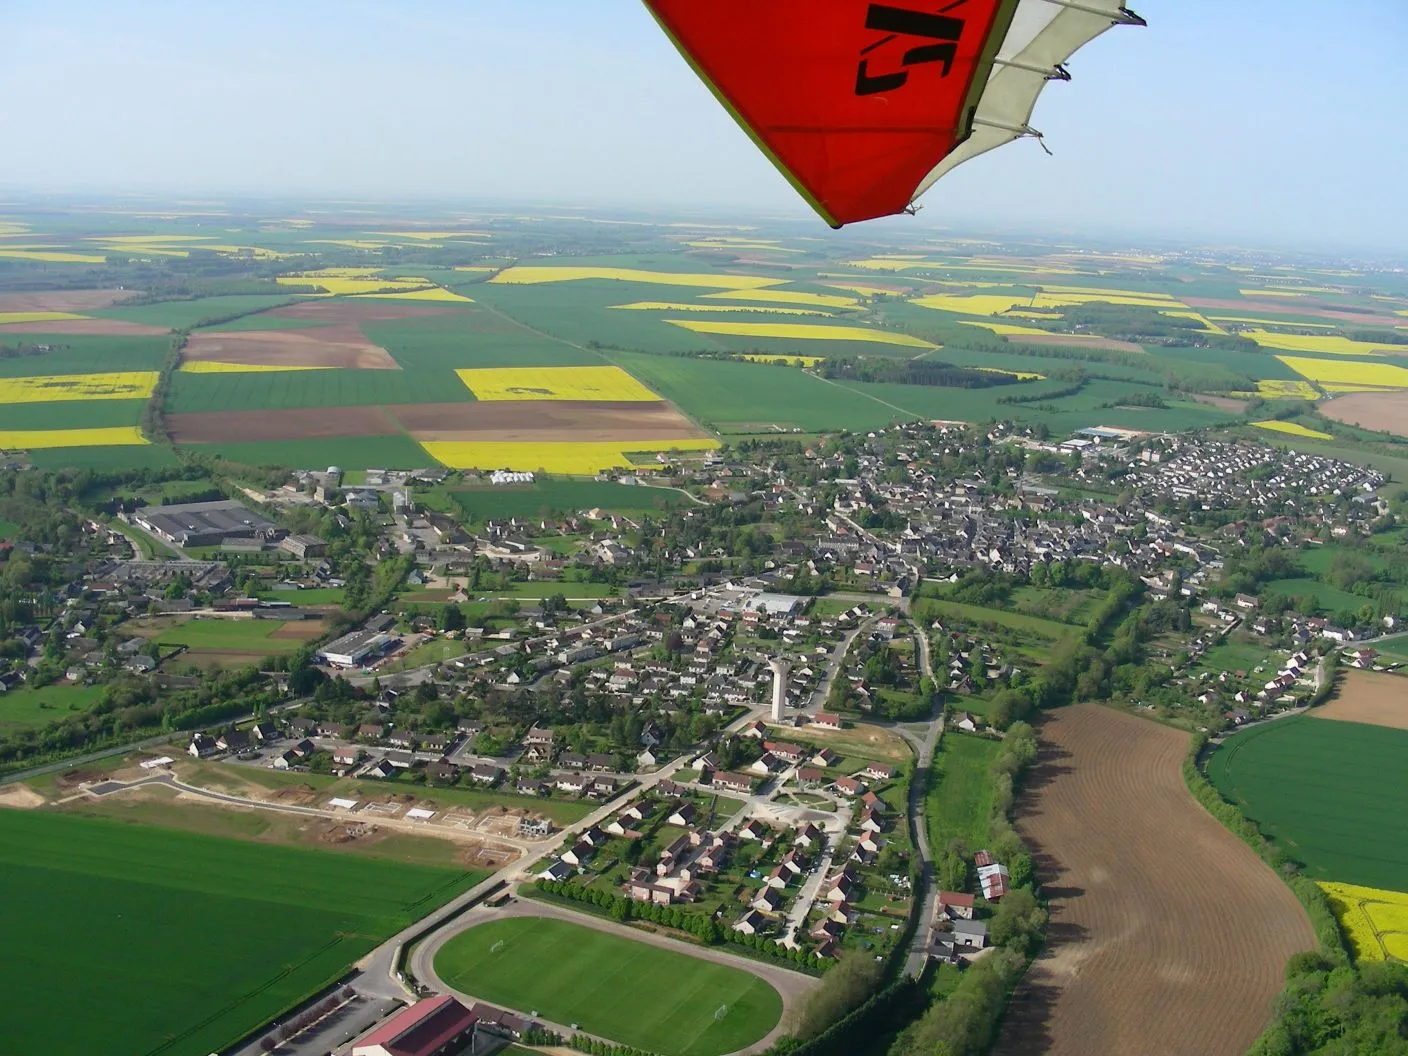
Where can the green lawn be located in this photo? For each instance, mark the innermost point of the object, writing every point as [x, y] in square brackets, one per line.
[627, 991]
[434, 651]
[306, 598]
[932, 608]
[1330, 599]
[234, 931]
[544, 588]
[1331, 793]
[1231, 655]
[240, 636]
[959, 800]
[8, 529]
[39, 707]
[556, 496]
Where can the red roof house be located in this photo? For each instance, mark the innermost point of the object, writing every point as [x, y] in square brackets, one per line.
[427, 1028]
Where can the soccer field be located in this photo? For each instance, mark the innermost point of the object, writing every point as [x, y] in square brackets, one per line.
[1328, 792]
[627, 991]
[177, 943]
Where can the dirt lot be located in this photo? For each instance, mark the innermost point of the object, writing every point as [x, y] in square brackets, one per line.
[318, 346]
[1075, 340]
[1370, 697]
[1370, 410]
[1290, 306]
[100, 327]
[300, 423]
[63, 300]
[1168, 935]
[301, 630]
[544, 421]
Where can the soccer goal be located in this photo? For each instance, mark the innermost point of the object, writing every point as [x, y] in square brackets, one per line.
[497, 947]
[720, 1013]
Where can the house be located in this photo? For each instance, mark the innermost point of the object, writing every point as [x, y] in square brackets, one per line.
[486, 774]
[827, 929]
[381, 768]
[265, 732]
[350, 755]
[993, 879]
[826, 720]
[825, 757]
[574, 783]
[442, 771]
[809, 836]
[956, 904]
[579, 854]
[202, 746]
[497, 1021]
[972, 934]
[558, 870]
[232, 741]
[965, 722]
[767, 901]
[750, 923]
[755, 729]
[730, 782]
[433, 1027]
[808, 776]
[790, 753]
[682, 814]
[850, 786]
[753, 829]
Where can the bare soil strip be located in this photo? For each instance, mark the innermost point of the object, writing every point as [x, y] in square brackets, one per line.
[324, 346]
[300, 630]
[1370, 410]
[299, 423]
[1224, 403]
[340, 311]
[545, 421]
[101, 327]
[1168, 935]
[1291, 306]
[63, 300]
[1077, 340]
[1370, 697]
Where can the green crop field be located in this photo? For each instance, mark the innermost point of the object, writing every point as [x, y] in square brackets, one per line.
[307, 597]
[180, 943]
[959, 799]
[39, 707]
[355, 452]
[240, 636]
[148, 456]
[549, 496]
[1329, 599]
[183, 315]
[627, 991]
[84, 354]
[1017, 621]
[312, 388]
[1328, 792]
[73, 414]
[476, 337]
[735, 396]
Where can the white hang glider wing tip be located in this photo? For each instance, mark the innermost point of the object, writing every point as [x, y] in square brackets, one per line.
[1043, 35]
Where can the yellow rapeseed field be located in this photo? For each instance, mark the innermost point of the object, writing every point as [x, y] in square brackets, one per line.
[803, 332]
[1017, 313]
[1069, 300]
[805, 361]
[142, 239]
[431, 293]
[51, 256]
[338, 286]
[1270, 293]
[767, 309]
[714, 281]
[569, 457]
[34, 439]
[1275, 389]
[1208, 327]
[474, 267]
[1106, 291]
[1375, 920]
[347, 243]
[820, 300]
[51, 388]
[207, 366]
[860, 288]
[1348, 372]
[1271, 322]
[757, 247]
[1292, 429]
[975, 304]
[7, 318]
[434, 236]
[1020, 375]
[1325, 344]
[600, 384]
[1006, 329]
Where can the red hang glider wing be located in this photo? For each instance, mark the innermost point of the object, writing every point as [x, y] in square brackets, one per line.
[854, 101]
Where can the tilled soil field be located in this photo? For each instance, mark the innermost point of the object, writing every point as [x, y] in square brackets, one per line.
[296, 423]
[98, 327]
[1370, 697]
[1370, 410]
[63, 300]
[1168, 936]
[320, 346]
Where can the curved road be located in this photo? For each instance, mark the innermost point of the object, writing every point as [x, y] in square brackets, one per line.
[792, 986]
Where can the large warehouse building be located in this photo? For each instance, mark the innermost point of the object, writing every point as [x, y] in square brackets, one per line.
[204, 523]
[434, 1027]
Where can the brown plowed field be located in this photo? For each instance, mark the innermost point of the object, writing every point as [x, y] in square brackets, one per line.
[1370, 697]
[63, 300]
[1290, 306]
[1370, 410]
[341, 311]
[544, 420]
[298, 423]
[102, 327]
[320, 346]
[1168, 935]
[1075, 340]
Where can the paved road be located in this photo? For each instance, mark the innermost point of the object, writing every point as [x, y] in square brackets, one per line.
[793, 986]
[347, 1023]
[833, 667]
[928, 888]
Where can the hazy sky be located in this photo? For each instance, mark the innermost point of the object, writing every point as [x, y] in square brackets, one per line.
[1270, 121]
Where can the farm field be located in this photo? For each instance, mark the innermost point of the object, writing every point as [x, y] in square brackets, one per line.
[1375, 921]
[1329, 598]
[627, 991]
[107, 889]
[1386, 411]
[1320, 790]
[1049, 629]
[551, 496]
[46, 704]
[959, 799]
[1168, 936]
[1369, 697]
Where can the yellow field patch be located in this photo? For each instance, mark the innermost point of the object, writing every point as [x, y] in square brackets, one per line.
[151, 238]
[861, 289]
[803, 332]
[766, 309]
[756, 247]
[1375, 920]
[801, 361]
[1270, 293]
[1348, 372]
[1287, 291]
[1006, 329]
[51, 388]
[1208, 326]
[1101, 291]
[714, 281]
[51, 256]
[1070, 300]
[338, 273]
[1275, 389]
[792, 297]
[347, 243]
[1272, 322]
[475, 267]
[434, 236]
[207, 366]
[599, 384]
[6, 318]
[1020, 375]
[1017, 313]
[147, 249]
[975, 304]
[1343, 387]
[431, 293]
[1292, 429]
[1327, 344]
[34, 439]
[579, 459]
[347, 287]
